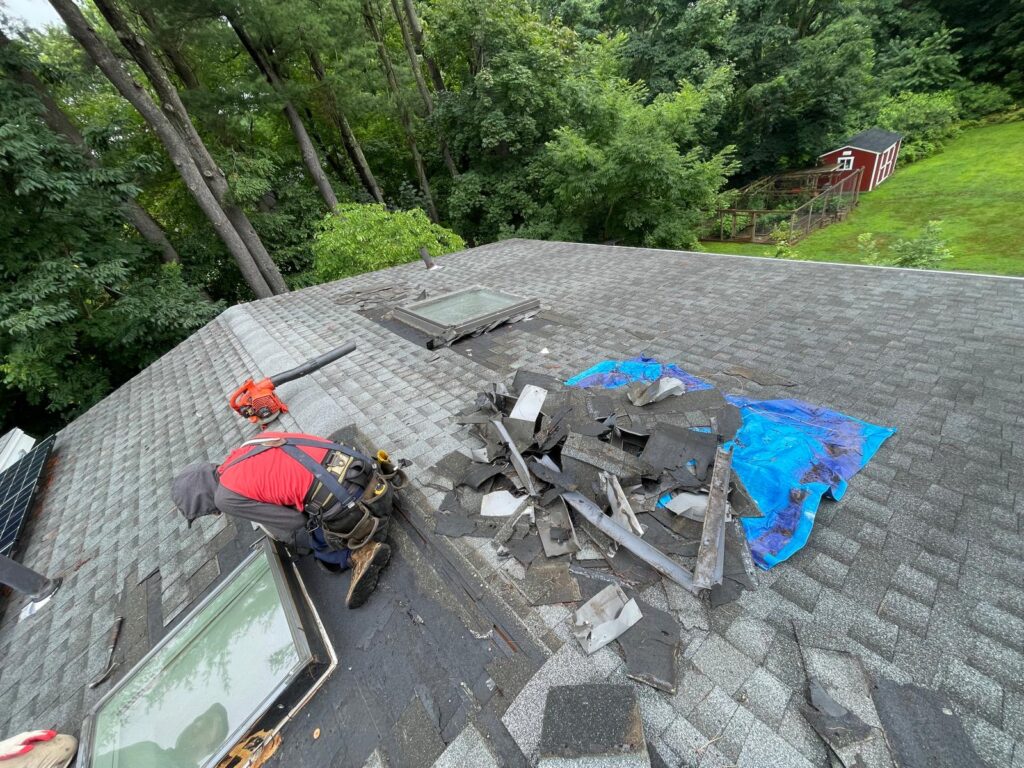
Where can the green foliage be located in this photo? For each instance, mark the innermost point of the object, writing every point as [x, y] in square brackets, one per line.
[782, 237]
[926, 251]
[84, 304]
[635, 175]
[923, 64]
[361, 238]
[979, 100]
[926, 121]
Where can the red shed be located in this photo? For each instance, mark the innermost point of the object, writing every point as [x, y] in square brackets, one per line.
[873, 150]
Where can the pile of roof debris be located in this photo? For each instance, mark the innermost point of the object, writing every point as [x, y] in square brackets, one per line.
[593, 491]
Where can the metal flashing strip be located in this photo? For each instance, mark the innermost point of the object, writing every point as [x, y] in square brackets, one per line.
[257, 614]
[482, 307]
[711, 555]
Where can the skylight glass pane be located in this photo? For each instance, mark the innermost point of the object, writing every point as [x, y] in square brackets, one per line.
[197, 693]
[464, 306]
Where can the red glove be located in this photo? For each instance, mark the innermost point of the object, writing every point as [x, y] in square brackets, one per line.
[22, 743]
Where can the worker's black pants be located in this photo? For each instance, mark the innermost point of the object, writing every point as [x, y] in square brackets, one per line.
[22, 579]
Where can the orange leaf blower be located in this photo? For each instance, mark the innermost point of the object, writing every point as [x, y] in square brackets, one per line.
[257, 401]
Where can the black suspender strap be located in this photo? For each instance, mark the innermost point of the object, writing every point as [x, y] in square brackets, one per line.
[290, 446]
[320, 473]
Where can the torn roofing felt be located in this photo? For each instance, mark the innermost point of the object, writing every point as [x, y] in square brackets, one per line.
[788, 454]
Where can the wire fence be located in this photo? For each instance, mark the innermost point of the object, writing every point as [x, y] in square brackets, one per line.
[786, 207]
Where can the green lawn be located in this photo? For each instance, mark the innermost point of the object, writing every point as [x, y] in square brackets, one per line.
[975, 187]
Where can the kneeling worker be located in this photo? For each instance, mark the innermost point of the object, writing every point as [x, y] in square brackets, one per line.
[307, 492]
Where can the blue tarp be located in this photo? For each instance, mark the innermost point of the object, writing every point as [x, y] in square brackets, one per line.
[612, 374]
[788, 453]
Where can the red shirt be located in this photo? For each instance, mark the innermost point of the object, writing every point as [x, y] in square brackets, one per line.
[273, 476]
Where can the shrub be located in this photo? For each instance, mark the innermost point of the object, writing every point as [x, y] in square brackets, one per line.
[926, 120]
[978, 100]
[359, 238]
[926, 251]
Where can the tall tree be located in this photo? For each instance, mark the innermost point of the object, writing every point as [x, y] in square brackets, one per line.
[348, 138]
[417, 33]
[421, 85]
[371, 15]
[211, 171]
[200, 181]
[262, 56]
[59, 123]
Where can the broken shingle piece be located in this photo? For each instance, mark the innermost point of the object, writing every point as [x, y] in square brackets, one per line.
[838, 727]
[650, 647]
[642, 393]
[529, 403]
[454, 524]
[922, 728]
[524, 549]
[604, 617]
[607, 457]
[557, 518]
[523, 378]
[502, 504]
[741, 502]
[478, 473]
[592, 724]
[671, 447]
[549, 582]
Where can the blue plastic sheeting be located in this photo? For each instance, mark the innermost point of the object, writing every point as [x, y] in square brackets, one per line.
[788, 453]
[612, 374]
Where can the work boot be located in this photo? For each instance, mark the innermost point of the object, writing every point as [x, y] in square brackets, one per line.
[367, 563]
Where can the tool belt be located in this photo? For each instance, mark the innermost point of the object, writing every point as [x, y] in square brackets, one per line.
[351, 497]
[370, 502]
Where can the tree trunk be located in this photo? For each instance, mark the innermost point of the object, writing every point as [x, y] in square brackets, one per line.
[170, 50]
[348, 138]
[59, 123]
[211, 173]
[417, 71]
[310, 158]
[176, 147]
[403, 113]
[417, 34]
[414, 63]
[341, 166]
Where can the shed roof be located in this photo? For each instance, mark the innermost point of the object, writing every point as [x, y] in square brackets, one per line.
[919, 570]
[873, 140]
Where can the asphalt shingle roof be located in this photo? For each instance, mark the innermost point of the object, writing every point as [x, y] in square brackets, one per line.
[919, 570]
[873, 140]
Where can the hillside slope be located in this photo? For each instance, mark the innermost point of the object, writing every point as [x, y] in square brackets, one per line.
[975, 187]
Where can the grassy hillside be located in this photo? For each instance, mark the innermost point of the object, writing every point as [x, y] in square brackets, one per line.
[975, 187]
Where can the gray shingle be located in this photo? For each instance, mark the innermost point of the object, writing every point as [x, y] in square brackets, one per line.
[929, 532]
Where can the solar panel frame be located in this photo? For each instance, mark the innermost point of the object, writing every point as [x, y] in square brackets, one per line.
[18, 484]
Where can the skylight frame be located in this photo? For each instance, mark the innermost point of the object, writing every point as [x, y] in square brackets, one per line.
[302, 622]
[408, 314]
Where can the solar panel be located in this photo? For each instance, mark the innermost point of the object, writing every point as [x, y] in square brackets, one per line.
[17, 488]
